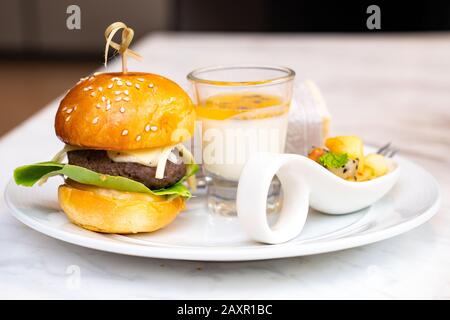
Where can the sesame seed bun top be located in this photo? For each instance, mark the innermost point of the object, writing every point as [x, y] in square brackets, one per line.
[117, 111]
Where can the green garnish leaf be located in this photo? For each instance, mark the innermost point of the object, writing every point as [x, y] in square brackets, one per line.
[30, 174]
[333, 160]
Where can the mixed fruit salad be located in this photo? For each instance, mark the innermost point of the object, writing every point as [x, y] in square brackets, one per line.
[344, 156]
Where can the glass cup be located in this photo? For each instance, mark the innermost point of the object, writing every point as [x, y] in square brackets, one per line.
[243, 109]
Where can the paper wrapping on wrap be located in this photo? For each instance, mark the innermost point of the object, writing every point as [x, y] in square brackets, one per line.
[309, 119]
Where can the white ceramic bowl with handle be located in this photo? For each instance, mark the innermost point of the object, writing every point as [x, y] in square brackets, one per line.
[305, 184]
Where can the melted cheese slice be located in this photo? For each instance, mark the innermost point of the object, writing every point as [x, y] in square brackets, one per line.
[146, 157]
[156, 157]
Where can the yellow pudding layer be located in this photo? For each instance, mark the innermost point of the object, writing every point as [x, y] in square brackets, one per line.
[241, 106]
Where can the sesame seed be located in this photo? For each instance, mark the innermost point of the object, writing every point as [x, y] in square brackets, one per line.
[64, 108]
[129, 83]
[122, 109]
[118, 98]
[68, 118]
[69, 110]
[95, 121]
[141, 79]
[83, 79]
[108, 106]
[91, 78]
[125, 132]
[86, 89]
[74, 108]
[137, 86]
[138, 138]
[96, 73]
[93, 94]
[114, 79]
[103, 98]
[126, 99]
[151, 85]
[100, 89]
[153, 128]
[117, 92]
[110, 86]
[119, 83]
[98, 105]
[147, 128]
[126, 92]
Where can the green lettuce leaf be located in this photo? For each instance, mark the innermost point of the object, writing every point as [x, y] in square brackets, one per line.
[333, 160]
[28, 175]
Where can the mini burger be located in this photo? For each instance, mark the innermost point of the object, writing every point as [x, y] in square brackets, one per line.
[126, 164]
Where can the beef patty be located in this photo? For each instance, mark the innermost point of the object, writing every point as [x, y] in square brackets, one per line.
[98, 161]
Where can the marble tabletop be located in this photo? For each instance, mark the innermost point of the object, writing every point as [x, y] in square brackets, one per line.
[381, 87]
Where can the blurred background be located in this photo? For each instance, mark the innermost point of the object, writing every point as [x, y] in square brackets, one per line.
[40, 58]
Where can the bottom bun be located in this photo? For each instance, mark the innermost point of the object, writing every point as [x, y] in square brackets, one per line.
[112, 211]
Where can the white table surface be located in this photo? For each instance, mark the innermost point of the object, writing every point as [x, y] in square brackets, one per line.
[393, 88]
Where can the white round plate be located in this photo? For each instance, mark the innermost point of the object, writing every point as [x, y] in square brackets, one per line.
[198, 235]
